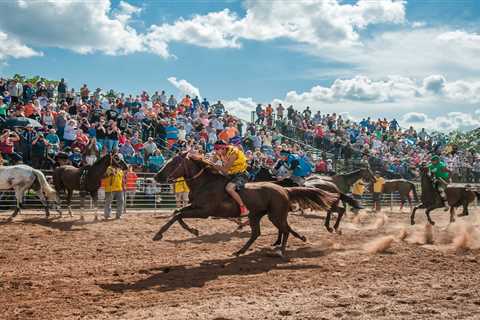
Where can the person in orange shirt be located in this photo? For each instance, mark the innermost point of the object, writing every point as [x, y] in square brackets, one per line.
[130, 184]
[28, 109]
[269, 110]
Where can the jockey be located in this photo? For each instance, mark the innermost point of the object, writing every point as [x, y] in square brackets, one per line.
[441, 175]
[234, 164]
[298, 165]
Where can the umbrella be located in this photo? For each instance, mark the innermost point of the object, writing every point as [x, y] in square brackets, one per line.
[21, 122]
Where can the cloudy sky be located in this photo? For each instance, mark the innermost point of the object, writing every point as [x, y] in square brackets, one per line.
[417, 60]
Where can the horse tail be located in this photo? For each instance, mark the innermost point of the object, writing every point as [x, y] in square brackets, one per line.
[49, 192]
[477, 194]
[312, 198]
[414, 191]
[351, 201]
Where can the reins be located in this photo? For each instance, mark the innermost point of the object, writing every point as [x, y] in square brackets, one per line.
[186, 178]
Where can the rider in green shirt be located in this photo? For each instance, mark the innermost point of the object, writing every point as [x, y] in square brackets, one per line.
[441, 175]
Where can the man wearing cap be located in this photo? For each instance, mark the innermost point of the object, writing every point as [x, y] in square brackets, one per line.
[234, 164]
[441, 175]
[298, 165]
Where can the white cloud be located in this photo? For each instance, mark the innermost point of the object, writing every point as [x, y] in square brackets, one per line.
[241, 107]
[318, 23]
[13, 48]
[418, 24]
[185, 87]
[81, 26]
[451, 121]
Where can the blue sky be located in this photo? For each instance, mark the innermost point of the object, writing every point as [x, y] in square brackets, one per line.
[415, 60]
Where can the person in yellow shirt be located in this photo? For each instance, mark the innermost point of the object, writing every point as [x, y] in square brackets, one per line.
[181, 192]
[377, 191]
[358, 189]
[234, 165]
[114, 187]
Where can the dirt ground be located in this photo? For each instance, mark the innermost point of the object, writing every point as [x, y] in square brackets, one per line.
[64, 269]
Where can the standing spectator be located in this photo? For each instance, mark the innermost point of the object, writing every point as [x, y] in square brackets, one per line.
[3, 108]
[92, 151]
[149, 148]
[172, 102]
[39, 151]
[155, 161]
[84, 93]
[181, 192]
[172, 133]
[280, 110]
[70, 133]
[113, 190]
[377, 192]
[7, 141]
[27, 137]
[62, 90]
[130, 185]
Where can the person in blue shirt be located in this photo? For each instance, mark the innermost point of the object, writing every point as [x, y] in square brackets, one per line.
[205, 104]
[299, 166]
[394, 125]
[155, 161]
[76, 157]
[171, 133]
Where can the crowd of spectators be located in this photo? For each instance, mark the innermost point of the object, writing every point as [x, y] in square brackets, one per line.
[146, 129]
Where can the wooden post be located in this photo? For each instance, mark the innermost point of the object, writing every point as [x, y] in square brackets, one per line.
[391, 202]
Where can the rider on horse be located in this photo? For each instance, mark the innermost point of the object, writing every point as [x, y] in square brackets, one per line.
[234, 165]
[440, 174]
[299, 166]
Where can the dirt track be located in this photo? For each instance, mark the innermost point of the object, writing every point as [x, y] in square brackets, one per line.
[113, 270]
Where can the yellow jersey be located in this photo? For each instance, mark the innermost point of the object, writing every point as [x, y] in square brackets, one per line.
[378, 185]
[181, 185]
[358, 188]
[113, 180]
[240, 164]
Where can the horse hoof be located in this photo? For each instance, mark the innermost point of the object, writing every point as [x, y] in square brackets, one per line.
[158, 237]
[303, 238]
[412, 223]
[195, 232]
[238, 253]
[338, 231]
[432, 223]
[330, 230]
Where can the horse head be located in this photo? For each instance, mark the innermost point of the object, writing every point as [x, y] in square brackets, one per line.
[118, 162]
[175, 168]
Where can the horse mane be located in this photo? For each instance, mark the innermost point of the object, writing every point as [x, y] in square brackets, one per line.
[205, 164]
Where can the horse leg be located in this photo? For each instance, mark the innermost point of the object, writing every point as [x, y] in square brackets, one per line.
[327, 221]
[188, 228]
[69, 201]
[409, 201]
[185, 212]
[412, 216]
[340, 212]
[255, 225]
[44, 203]
[402, 202]
[281, 253]
[94, 196]
[279, 239]
[19, 197]
[452, 214]
[293, 233]
[465, 209]
[427, 213]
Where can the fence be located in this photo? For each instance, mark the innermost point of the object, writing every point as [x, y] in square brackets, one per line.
[148, 194]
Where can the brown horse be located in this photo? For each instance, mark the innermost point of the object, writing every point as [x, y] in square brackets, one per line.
[86, 179]
[209, 199]
[403, 187]
[345, 181]
[456, 196]
[319, 183]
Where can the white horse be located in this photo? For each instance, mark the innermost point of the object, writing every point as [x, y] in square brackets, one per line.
[21, 178]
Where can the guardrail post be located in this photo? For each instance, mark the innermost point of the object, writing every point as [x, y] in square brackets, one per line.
[391, 202]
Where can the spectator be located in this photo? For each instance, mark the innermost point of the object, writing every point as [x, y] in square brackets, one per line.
[39, 151]
[7, 140]
[155, 161]
[181, 192]
[114, 186]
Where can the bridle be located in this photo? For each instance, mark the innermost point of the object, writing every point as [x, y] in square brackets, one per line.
[186, 170]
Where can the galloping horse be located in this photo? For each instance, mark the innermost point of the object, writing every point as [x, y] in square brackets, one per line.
[85, 179]
[21, 178]
[403, 187]
[345, 181]
[325, 185]
[209, 199]
[431, 199]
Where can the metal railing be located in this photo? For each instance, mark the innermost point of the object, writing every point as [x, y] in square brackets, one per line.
[147, 194]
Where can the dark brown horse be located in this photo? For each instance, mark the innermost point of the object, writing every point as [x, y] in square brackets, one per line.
[457, 195]
[345, 181]
[403, 187]
[209, 199]
[86, 179]
[321, 184]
